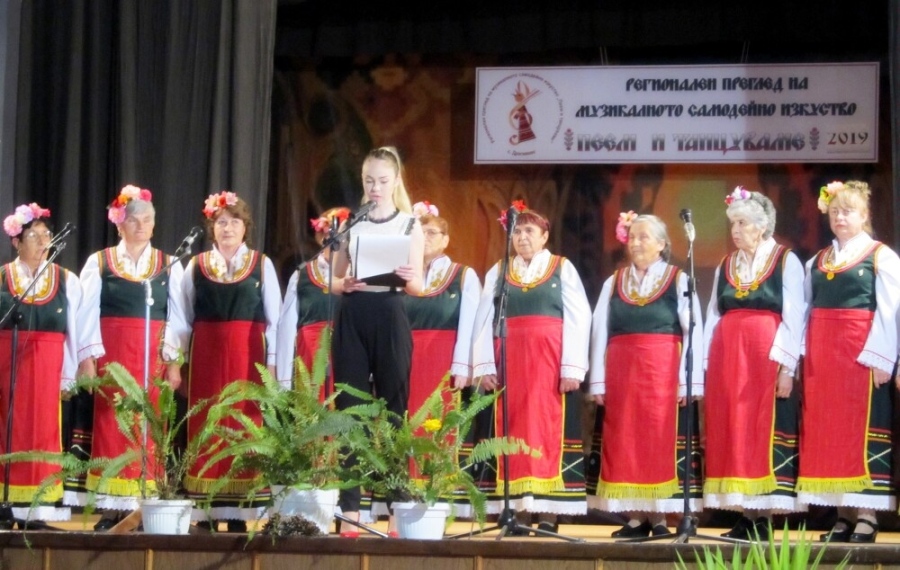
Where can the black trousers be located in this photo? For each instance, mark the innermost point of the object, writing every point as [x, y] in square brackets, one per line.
[372, 337]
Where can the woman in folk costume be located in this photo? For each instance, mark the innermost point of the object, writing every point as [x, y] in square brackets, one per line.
[304, 313]
[232, 302]
[853, 292]
[548, 325]
[45, 358]
[442, 318]
[112, 324]
[753, 332]
[638, 353]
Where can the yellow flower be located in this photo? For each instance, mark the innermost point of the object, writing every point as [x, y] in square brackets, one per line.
[431, 425]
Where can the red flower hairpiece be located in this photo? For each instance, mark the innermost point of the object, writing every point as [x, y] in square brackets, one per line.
[520, 207]
[624, 223]
[739, 193]
[216, 201]
[322, 224]
[24, 214]
[423, 208]
[116, 213]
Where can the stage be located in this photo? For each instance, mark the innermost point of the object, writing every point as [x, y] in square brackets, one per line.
[77, 548]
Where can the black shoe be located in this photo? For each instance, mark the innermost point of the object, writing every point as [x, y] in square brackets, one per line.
[237, 526]
[660, 530]
[639, 531]
[548, 526]
[741, 530]
[761, 530]
[208, 525]
[106, 523]
[864, 537]
[519, 530]
[34, 525]
[838, 535]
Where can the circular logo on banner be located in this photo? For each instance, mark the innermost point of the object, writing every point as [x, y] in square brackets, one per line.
[522, 111]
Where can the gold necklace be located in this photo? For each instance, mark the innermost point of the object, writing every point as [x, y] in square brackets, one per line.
[830, 267]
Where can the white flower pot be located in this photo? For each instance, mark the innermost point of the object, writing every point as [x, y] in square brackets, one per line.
[315, 505]
[420, 521]
[166, 516]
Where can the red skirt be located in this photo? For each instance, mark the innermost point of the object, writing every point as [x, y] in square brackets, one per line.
[36, 410]
[640, 424]
[739, 404]
[836, 396]
[537, 412]
[221, 353]
[431, 359]
[307, 345]
[124, 343]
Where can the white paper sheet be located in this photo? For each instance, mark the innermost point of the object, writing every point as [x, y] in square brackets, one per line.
[377, 256]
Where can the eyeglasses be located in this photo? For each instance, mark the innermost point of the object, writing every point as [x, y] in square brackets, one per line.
[233, 222]
[432, 233]
[35, 236]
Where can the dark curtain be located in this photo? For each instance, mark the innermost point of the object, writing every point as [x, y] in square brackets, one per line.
[169, 95]
[894, 61]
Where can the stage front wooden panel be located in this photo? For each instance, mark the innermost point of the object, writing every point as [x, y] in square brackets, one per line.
[136, 551]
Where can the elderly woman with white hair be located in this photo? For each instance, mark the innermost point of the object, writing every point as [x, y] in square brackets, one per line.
[111, 323]
[639, 341]
[754, 328]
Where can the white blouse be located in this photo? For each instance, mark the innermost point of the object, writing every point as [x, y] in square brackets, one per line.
[880, 350]
[647, 286]
[789, 335]
[24, 278]
[576, 317]
[287, 322]
[271, 295]
[471, 295]
[90, 343]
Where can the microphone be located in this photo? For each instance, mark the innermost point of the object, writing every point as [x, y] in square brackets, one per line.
[58, 242]
[196, 232]
[63, 234]
[687, 218]
[363, 210]
[511, 216]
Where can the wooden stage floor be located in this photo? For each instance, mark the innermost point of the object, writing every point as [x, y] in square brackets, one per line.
[79, 547]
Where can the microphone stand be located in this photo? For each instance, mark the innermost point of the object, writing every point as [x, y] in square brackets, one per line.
[507, 523]
[332, 244]
[687, 527]
[7, 518]
[180, 254]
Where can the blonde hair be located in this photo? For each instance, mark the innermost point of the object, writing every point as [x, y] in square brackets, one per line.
[400, 195]
[855, 194]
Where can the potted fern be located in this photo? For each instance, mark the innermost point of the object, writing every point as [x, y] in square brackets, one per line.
[415, 460]
[142, 419]
[298, 446]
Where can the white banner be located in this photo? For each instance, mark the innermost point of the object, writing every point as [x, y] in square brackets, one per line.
[708, 113]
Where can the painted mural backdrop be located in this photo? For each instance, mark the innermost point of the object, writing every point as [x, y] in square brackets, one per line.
[327, 117]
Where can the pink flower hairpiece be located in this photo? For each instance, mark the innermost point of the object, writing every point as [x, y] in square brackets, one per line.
[420, 209]
[216, 201]
[739, 193]
[323, 223]
[520, 207]
[116, 209]
[826, 194]
[24, 214]
[624, 223]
